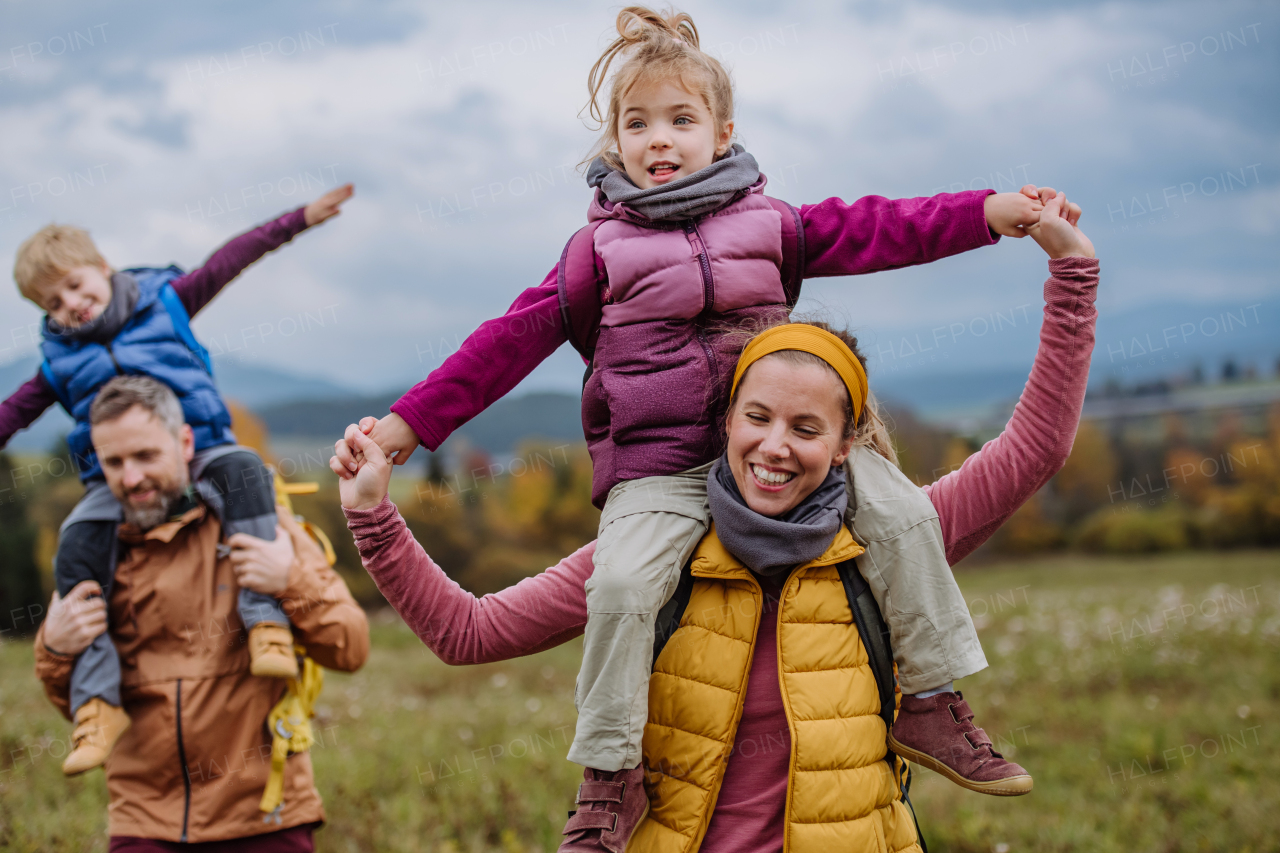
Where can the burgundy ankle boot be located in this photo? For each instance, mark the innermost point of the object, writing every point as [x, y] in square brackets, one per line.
[938, 733]
[610, 807]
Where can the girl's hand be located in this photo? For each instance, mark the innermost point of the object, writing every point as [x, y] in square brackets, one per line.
[326, 207]
[396, 438]
[1009, 213]
[365, 486]
[1057, 234]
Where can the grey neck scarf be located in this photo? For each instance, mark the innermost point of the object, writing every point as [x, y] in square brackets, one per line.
[771, 546]
[104, 327]
[685, 198]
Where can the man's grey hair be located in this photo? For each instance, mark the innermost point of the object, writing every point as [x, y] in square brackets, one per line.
[124, 392]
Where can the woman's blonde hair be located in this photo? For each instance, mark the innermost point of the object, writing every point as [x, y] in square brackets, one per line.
[870, 430]
[657, 47]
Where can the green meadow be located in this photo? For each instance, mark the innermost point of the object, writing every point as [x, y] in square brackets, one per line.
[1143, 693]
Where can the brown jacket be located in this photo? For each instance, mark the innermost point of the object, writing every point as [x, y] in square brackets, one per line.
[193, 765]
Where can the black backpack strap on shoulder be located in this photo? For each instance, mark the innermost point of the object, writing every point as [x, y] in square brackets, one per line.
[671, 613]
[875, 636]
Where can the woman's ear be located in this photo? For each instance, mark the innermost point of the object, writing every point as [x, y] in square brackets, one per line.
[845, 449]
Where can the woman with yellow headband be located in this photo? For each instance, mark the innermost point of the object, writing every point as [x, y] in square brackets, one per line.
[763, 730]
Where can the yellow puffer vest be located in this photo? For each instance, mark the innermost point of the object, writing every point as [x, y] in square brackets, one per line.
[841, 793]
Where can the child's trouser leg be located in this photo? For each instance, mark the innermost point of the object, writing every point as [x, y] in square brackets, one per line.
[648, 530]
[87, 551]
[934, 639]
[240, 489]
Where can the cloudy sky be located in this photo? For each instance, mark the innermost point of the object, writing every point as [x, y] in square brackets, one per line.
[166, 130]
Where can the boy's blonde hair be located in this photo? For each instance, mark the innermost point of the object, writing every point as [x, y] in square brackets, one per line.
[51, 253]
[657, 47]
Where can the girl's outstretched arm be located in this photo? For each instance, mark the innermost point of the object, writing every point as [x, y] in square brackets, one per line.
[875, 233]
[490, 362]
[536, 614]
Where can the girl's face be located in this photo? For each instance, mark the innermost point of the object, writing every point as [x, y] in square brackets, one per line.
[666, 132]
[785, 433]
[78, 297]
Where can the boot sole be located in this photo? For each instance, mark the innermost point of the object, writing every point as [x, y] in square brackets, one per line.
[1014, 786]
[638, 822]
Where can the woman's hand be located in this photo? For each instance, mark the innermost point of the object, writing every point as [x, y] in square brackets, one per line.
[362, 468]
[260, 565]
[1057, 234]
[327, 206]
[75, 621]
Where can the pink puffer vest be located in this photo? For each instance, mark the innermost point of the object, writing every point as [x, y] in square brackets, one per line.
[656, 399]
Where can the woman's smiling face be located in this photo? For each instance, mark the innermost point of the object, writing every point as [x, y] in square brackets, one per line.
[785, 431]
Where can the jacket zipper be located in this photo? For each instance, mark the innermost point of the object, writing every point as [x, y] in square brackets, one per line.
[708, 300]
[186, 773]
[119, 370]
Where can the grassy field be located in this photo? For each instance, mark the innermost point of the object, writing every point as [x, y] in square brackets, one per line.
[1142, 693]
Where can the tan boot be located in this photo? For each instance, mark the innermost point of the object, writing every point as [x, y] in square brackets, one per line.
[98, 727]
[271, 651]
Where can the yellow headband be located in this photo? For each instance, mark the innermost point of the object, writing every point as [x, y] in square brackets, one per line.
[815, 341]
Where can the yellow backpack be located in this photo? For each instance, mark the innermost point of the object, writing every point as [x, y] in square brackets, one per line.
[290, 719]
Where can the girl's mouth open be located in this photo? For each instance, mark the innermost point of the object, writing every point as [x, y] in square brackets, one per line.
[662, 171]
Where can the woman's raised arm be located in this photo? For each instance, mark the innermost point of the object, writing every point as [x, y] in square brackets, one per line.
[536, 614]
[974, 501]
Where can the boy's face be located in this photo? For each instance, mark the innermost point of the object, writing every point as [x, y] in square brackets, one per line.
[78, 297]
[665, 133]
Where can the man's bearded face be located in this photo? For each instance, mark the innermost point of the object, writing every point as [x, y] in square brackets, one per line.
[145, 464]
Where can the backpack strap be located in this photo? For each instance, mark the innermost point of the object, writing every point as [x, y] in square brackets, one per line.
[670, 614]
[182, 325]
[793, 259]
[580, 284]
[875, 637]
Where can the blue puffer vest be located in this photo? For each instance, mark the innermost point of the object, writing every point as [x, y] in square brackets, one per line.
[156, 341]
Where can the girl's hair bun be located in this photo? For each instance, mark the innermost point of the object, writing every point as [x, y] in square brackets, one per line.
[655, 45]
[637, 24]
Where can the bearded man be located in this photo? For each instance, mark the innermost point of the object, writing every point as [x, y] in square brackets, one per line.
[192, 751]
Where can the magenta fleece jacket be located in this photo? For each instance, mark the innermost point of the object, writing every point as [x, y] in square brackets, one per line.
[869, 235]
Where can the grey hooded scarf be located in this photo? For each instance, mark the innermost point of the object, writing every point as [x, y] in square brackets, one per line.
[771, 546]
[685, 198]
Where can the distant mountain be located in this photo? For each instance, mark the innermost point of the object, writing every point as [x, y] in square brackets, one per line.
[254, 386]
[499, 429]
[956, 374]
[257, 387]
